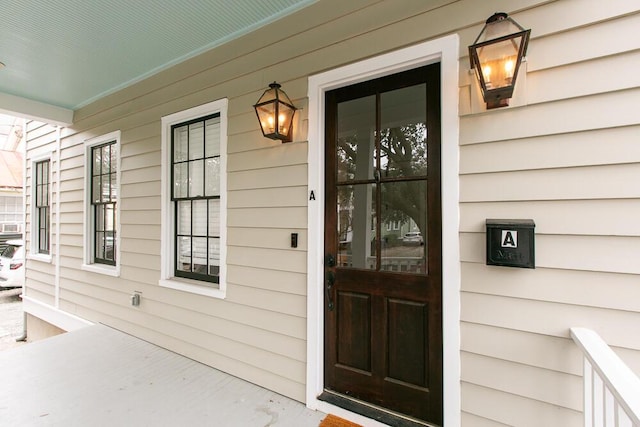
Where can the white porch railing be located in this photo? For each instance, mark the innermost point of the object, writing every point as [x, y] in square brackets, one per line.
[611, 389]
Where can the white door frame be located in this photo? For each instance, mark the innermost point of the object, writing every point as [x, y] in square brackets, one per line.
[444, 50]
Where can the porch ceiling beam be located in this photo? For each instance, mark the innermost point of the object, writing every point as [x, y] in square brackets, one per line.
[30, 109]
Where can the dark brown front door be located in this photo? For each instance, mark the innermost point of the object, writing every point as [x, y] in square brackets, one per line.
[383, 279]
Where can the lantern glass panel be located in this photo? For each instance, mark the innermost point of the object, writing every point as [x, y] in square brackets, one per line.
[268, 95]
[498, 62]
[285, 117]
[266, 113]
[497, 29]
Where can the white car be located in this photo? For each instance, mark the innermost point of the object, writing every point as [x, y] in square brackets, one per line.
[414, 237]
[12, 265]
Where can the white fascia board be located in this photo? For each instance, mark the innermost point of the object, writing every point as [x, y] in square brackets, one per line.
[35, 110]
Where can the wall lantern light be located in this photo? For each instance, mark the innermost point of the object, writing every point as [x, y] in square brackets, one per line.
[275, 112]
[496, 56]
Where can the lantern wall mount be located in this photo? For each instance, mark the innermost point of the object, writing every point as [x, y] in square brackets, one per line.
[496, 56]
[275, 113]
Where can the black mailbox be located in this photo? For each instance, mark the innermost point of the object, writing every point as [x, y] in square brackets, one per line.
[510, 242]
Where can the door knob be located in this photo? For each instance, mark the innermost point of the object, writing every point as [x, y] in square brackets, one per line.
[331, 278]
[329, 261]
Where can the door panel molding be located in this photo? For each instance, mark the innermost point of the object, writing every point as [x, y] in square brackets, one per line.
[444, 50]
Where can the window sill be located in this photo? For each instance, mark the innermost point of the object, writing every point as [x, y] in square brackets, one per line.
[192, 286]
[40, 257]
[107, 270]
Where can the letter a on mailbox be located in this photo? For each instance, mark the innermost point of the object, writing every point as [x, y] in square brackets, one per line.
[509, 239]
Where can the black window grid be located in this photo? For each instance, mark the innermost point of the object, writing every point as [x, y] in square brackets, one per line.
[42, 206]
[104, 203]
[207, 276]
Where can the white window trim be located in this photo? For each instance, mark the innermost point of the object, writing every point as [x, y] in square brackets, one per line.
[88, 263]
[167, 258]
[35, 234]
[444, 50]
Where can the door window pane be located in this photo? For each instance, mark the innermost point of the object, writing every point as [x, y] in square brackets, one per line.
[403, 136]
[404, 250]
[356, 139]
[356, 226]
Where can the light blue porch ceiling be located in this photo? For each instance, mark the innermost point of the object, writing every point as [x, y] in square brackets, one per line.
[67, 53]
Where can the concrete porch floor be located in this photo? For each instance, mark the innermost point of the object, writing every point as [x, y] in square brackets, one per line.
[98, 376]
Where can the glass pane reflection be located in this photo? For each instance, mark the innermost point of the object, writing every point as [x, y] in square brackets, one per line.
[356, 226]
[404, 219]
[356, 139]
[403, 137]
[184, 254]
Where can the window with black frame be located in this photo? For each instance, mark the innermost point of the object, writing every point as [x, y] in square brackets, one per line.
[103, 202]
[195, 194]
[42, 206]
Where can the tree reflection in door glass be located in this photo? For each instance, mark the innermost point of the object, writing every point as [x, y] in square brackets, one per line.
[404, 217]
[403, 165]
[403, 133]
[403, 151]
